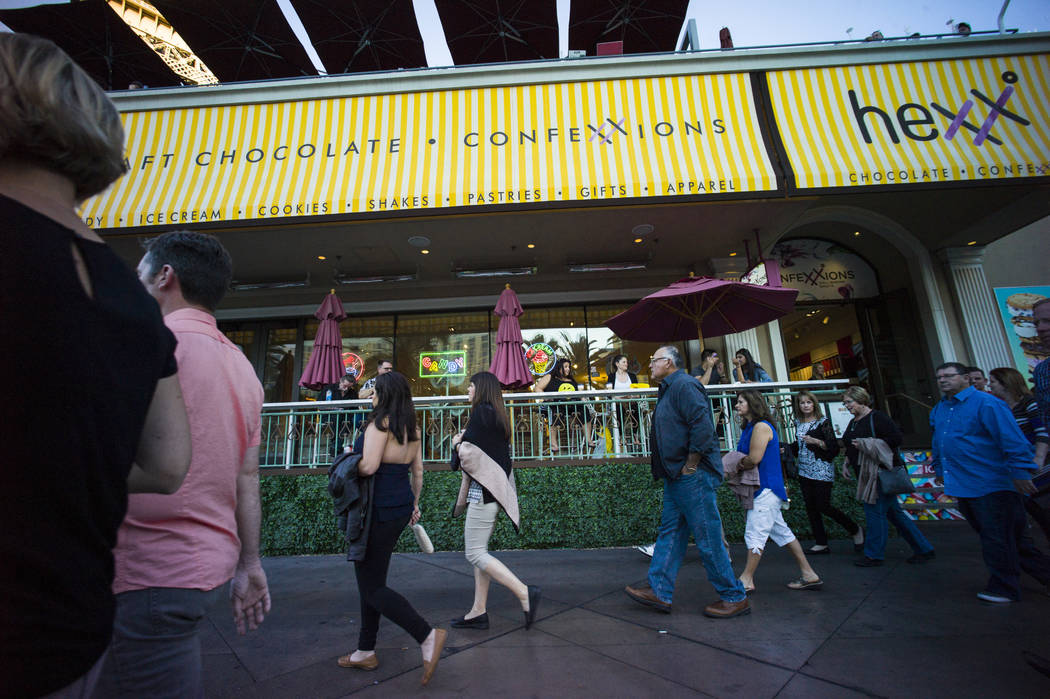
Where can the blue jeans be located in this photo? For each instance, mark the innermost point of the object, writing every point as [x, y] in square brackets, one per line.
[999, 519]
[690, 506]
[156, 651]
[878, 517]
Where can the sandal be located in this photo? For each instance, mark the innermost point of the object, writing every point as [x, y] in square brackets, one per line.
[803, 584]
[747, 590]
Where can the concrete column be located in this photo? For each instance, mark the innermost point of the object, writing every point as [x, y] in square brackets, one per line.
[779, 368]
[982, 326]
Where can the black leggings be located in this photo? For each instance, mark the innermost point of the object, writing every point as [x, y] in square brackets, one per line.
[817, 496]
[378, 599]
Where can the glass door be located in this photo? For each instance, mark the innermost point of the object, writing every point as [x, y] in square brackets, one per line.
[899, 367]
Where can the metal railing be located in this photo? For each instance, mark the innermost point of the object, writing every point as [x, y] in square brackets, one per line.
[583, 426]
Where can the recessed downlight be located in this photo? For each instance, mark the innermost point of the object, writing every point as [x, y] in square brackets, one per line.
[531, 246]
[424, 251]
[638, 240]
[732, 254]
[972, 242]
[321, 257]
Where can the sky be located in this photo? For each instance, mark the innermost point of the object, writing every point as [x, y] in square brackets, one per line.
[767, 22]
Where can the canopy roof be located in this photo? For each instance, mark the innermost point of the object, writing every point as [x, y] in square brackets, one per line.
[644, 26]
[97, 39]
[367, 35]
[497, 31]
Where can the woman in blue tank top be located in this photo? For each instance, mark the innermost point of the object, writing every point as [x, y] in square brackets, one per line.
[760, 444]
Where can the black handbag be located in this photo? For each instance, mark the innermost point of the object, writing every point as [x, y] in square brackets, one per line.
[895, 480]
[789, 462]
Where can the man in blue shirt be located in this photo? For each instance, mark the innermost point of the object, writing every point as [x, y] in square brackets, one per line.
[984, 460]
[686, 457]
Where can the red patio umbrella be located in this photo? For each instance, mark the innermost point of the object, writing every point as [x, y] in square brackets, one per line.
[697, 306]
[326, 362]
[508, 362]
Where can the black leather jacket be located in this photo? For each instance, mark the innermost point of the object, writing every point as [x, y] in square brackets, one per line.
[352, 502]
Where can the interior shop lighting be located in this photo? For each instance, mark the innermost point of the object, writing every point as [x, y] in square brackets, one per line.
[255, 286]
[375, 278]
[607, 266]
[496, 272]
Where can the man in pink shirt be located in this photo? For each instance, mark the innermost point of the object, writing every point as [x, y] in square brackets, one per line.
[175, 553]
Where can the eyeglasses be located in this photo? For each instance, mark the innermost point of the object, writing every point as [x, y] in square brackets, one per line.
[656, 359]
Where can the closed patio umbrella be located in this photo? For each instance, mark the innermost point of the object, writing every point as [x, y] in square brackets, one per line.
[508, 362]
[695, 307]
[326, 362]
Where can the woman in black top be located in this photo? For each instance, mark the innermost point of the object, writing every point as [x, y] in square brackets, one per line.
[391, 449]
[560, 380]
[65, 297]
[487, 459]
[867, 422]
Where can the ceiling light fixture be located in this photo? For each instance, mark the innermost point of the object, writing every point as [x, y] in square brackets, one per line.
[732, 254]
[856, 233]
[424, 251]
[321, 257]
[497, 272]
[638, 240]
[375, 278]
[972, 242]
[826, 319]
[531, 246]
[607, 266]
[256, 286]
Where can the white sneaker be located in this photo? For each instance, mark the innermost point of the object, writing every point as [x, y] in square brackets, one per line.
[989, 597]
[647, 550]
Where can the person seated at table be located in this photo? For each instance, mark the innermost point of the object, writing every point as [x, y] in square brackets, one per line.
[560, 380]
[746, 370]
[710, 370]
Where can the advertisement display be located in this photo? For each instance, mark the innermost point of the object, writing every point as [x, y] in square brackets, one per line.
[1015, 308]
[694, 135]
[915, 123]
[820, 270]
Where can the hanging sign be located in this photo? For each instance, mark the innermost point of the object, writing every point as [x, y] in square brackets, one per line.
[435, 365]
[820, 270]
[540, 358]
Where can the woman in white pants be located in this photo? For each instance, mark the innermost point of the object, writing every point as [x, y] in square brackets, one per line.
[483, 452]
[765, 520]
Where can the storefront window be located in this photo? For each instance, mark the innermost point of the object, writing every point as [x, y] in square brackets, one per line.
[439, 353]
[606, 345]
[279, 368]
[366, 341]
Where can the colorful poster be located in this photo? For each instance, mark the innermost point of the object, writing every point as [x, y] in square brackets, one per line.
[540, 357]
[1015, 309]
[928, 501]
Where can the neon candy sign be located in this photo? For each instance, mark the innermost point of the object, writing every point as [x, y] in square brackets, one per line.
[434, 365]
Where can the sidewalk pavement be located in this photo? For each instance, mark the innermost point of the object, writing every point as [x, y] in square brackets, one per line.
[899, 630]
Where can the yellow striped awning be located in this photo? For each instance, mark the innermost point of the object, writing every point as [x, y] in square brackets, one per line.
[688, 135]
[915, 123]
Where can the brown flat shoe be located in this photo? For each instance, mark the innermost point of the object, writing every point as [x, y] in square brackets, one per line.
[723, 610]
[369, 663]
[645, 595]
[440, 636]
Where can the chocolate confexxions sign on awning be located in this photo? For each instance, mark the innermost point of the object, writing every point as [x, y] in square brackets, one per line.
[693, 135]
[915, 123]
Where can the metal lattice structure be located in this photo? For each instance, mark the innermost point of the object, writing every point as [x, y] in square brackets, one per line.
[150, 25]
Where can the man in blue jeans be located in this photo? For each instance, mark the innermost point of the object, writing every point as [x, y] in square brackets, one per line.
[984, 460]
[685, 455]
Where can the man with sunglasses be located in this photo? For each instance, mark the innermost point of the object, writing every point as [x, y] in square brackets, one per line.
[986, 464]
[685, 456]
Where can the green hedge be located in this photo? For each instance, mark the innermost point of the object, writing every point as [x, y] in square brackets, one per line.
[561, 507]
